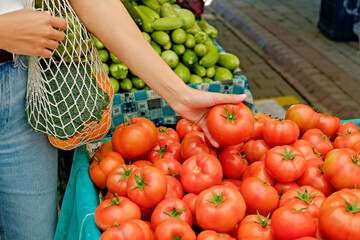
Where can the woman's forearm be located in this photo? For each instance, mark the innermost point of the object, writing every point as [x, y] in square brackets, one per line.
[109, 21]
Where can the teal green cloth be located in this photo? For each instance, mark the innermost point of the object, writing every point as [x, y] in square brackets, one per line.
[77, 215]
[357, 121]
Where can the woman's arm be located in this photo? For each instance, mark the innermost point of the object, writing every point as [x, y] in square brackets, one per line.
[110, 22]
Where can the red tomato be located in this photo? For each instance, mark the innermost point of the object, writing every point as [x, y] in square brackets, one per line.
[255, 149]
[115, 210]
[169, 166]
[219, 208]
[212, 235]
[100, 168]
[142, 163]
[260, 119]
[259, 196]
[226, 182]
[165, 148]
[319, 140]
[232, 161]
[347, 128]
[347, 141]
[255, 225]
[230, 124]
[183, 127]
[282, 187]
[314, 176]
[307, 149]
[174, 188]
[129, 230]
[171, 208]
[105, 147]
[134, 138]
[342, 168]
[305, 197]
[235, 182]
[190, 199]
[304, 116]
[146, 186]
[200, 172]
[257, 169]
[284, 163]
[174, 228]
[117, 180]
[307, 238]
[339, 215]
[195, 143]
[165, 132]
[289, 223]
[280, 132]
[328, 124]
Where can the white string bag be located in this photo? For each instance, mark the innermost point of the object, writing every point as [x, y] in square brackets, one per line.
[69, 96]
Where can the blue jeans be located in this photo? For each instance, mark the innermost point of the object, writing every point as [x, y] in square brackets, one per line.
[28, 164]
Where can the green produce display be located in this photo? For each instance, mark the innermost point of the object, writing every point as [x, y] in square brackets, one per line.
[186, 45]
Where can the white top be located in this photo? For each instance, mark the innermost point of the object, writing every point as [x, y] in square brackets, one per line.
[11, 5]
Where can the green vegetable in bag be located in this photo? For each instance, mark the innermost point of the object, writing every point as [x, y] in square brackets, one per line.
[119, 70]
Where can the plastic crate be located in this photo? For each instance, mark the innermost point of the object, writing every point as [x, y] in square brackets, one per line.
[334, 21]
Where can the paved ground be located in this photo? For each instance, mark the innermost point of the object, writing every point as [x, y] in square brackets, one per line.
[284, 55]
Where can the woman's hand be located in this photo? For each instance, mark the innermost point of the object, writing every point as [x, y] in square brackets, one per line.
[195, 105]
[31, 32]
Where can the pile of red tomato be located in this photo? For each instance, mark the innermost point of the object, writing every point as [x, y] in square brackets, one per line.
[291, 178]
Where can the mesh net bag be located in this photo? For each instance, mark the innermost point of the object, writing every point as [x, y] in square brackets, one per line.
[69, 96]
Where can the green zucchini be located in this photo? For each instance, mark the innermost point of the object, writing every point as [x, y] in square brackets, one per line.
[133, 13]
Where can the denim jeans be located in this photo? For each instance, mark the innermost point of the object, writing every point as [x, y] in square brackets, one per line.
[28, 164]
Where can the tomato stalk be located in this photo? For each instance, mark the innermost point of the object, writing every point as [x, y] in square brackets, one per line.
[264, 222]
[347, 133]
[175, 213]
[281, 193]
[230, 117]
[176, 237]
[128, 123]
[287, 155]
[305, 196]
[351, 208]
[324, 137]
[140, 182]
[316, 152]
[304, 208]
[355, 159]
[173, 175]
[125, 174]
[161, 151]
[321, 168]
[163, 130]
[113, 202]
[197, 169]
[217, 198]
[97, 162]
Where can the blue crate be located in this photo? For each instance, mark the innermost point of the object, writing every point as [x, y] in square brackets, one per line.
[335, 22]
